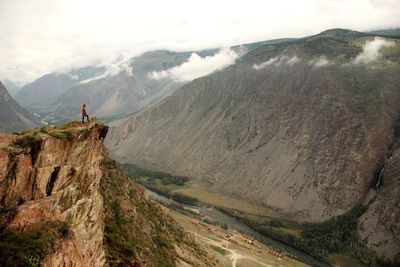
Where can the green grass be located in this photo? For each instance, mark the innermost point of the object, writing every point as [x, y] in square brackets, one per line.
[165, 178]
[58, 133]
[220, 250]
[335, 239]
[160, 182]
[26, 248]
[27, 141]
[132, 236]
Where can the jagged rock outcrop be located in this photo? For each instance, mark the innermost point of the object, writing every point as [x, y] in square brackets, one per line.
[59, 176]
[50, 179]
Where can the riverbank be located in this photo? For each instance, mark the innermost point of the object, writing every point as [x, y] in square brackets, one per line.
[212, 216]
[231, 247]
[324, 244]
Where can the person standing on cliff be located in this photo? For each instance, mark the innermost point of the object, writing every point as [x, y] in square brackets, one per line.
[84, 113]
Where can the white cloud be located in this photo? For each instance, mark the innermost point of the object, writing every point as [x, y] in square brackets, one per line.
[42, 36]
[371, 50]
[97, 77]
[322, 61]
[73, 76]
[266, 63]
[112, 69]
[197, 66]
[277, 61]
[293, 60]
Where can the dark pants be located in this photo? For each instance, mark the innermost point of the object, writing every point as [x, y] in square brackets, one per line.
[83, 118]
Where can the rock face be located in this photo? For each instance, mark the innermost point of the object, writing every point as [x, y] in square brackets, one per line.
[300, 126]
[13, 117]
[59, 175]
[380, 225]
[59, 179]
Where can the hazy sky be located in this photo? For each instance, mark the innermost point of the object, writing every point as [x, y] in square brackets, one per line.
[42, 36]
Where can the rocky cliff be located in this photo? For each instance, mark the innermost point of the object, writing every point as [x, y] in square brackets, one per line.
[301, 126]
[60, 192]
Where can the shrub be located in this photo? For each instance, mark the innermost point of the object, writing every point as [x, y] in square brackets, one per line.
[61, 134]
[165, 178]
[57, 133]
[27, 141]
[275, 223]
[25, 248]
[185, 199]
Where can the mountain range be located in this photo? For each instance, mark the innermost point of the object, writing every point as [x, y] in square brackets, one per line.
[37, 96]
[121, 88]
[304, 127]
[307, 127]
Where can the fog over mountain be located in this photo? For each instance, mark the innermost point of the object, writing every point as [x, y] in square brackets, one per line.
[44, 36]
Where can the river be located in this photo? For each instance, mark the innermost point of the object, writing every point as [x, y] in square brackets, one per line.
[218, 216]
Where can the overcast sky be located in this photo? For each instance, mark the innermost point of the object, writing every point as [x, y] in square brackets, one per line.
[42, 36]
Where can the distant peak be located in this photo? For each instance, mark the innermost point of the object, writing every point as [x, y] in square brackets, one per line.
[339, 33]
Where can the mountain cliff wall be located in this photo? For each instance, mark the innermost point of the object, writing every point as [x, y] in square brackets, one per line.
[61, 179]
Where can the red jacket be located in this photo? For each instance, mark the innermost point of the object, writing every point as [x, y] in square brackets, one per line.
[84, 113]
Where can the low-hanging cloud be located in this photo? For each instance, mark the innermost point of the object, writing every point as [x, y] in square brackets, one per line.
[43, 36]
[371, 50]
[266, 63]
[277, 61]
[197, 66]
[112, 70]
[293, 60]
[322, 61]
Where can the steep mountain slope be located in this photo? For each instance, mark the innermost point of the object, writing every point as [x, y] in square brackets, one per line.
[37, 95]
[380, 225]
[13, 117]
[388, 32]
[303, 127]
[12, 88]
[57, 184]
[289, 126]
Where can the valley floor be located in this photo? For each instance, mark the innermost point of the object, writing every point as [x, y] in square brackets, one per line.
[263, 220]
[232, 248]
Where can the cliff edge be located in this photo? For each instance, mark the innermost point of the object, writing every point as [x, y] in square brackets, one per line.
[63, 202]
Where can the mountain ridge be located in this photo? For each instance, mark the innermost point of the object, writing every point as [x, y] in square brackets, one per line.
[288, 126]
[13, 117]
